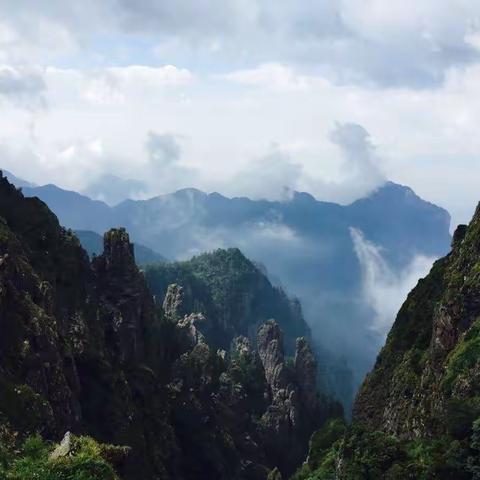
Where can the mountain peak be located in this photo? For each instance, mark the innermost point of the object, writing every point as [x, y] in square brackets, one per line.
[190, 192]
[117, 247]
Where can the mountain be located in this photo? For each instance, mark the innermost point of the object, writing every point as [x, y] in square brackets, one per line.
[232, 293]
[93, 243]
[305, 244]
[86, 350]
[417, 414]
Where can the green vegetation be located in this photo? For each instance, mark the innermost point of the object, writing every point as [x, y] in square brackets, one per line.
[361, 453]
[323, 439]
[464, 357]
[24, 408]
[232, 292]
[85, 459]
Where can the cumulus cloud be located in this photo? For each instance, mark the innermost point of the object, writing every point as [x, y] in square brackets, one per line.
[160, 171]
[271, 75]
[273, 176]
[385, 289]
[112, 85]
[351, 39]
[164, 170]
[400, 43]
[276, 175]
[163, 149]
[360, 170]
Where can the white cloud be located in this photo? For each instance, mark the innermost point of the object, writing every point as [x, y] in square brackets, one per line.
[270, 75]
[345, 40]
[384, 289]
[111, 85]
[163, 149]
[272, 176]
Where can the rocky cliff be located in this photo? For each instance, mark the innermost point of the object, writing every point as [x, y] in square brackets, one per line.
[430, 361]
[85, 348]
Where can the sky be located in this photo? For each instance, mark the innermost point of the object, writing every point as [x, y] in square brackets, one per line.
[245, 97]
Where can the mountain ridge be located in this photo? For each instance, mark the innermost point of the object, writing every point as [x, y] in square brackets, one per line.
[305, 245]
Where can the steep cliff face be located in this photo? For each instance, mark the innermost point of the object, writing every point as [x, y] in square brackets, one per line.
[84, 348]
[431, 361]
[295, 410]
[74, 337]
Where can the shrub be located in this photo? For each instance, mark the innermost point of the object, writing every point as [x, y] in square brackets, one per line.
[85, 461]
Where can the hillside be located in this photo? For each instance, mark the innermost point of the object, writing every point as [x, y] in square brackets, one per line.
[233, 294]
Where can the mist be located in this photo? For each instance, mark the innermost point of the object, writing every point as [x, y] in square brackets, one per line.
[384, 288]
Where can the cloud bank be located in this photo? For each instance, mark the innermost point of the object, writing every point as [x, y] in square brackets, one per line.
[384, 289]
[348, 40]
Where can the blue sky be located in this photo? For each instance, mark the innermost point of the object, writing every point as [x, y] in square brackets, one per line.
[253, 97]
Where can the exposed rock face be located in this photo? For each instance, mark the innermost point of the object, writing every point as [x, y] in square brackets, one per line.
[188, 335]
[275, 474]
[128, 306]
[270, 350]
[429, 361]
[241, 347]
[64, 448]
[295, 410]
[306, 374]
[173, 301]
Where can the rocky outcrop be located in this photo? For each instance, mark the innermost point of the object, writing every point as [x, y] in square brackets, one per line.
[295, 409]
[173, 301]
[127, 305]
[187, 332]
[306, 375]
[270, 350]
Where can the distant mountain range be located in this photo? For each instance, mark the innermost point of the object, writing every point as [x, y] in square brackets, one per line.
[306, 245]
